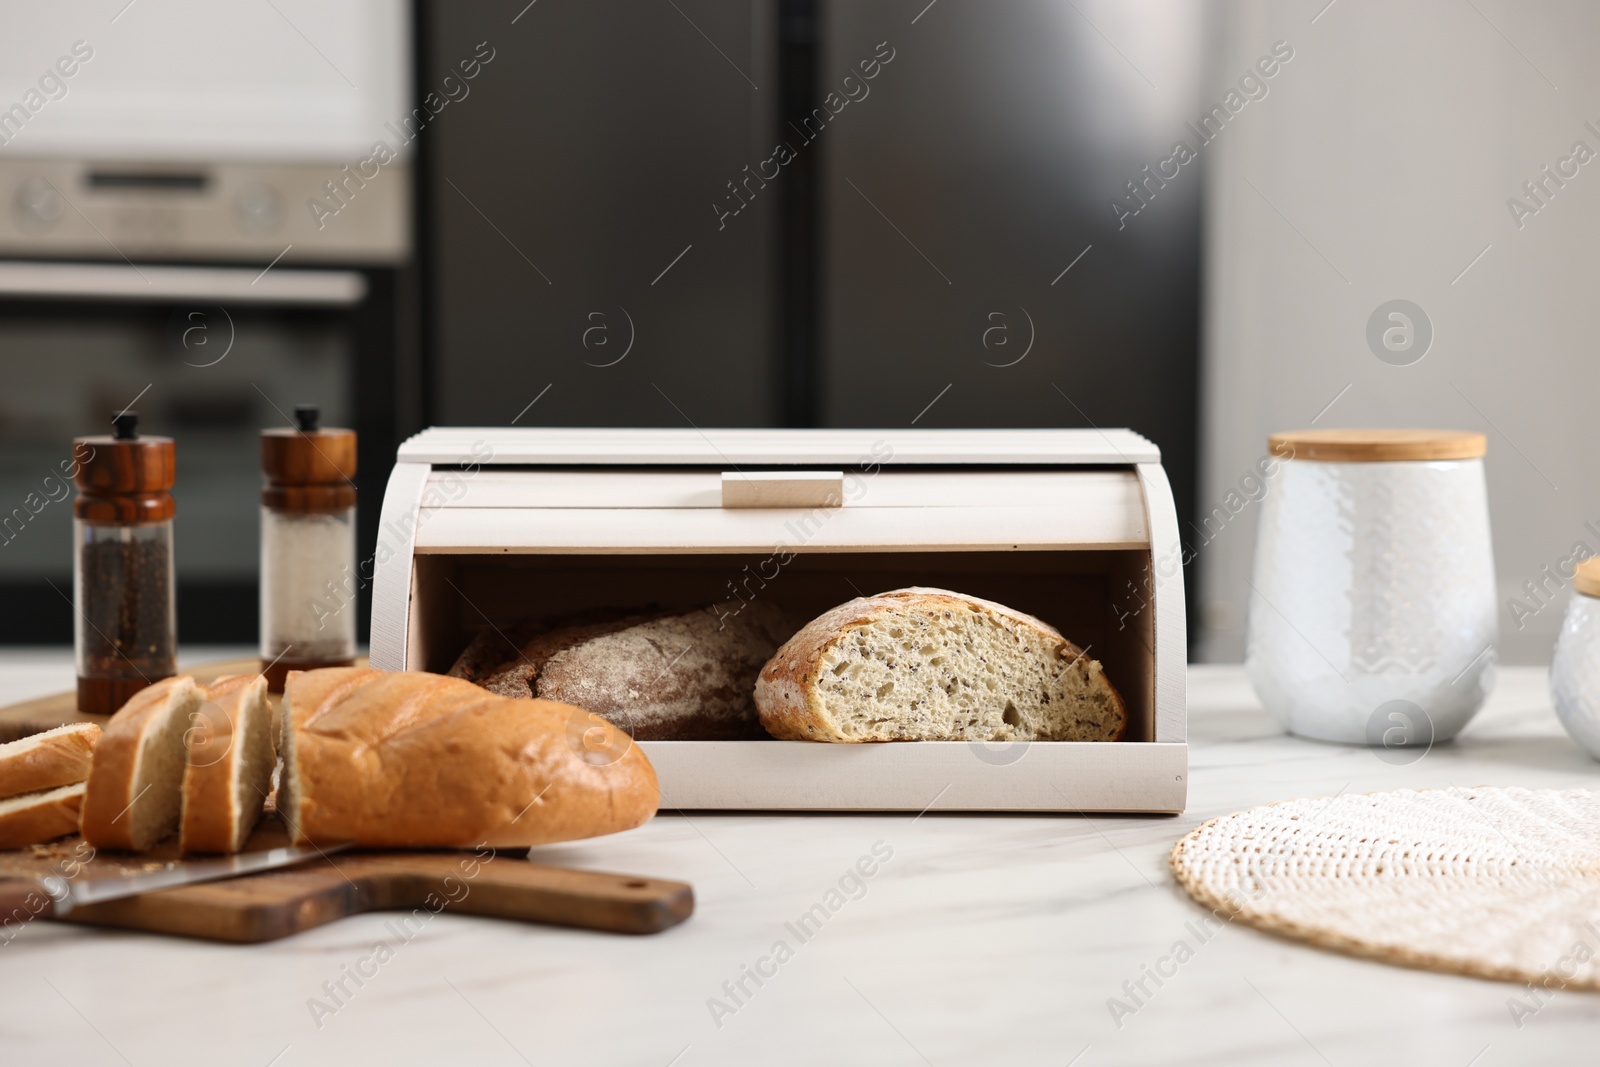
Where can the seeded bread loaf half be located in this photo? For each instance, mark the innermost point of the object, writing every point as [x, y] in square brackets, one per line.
[932, 665]
[34, 818]
[413, 760]
[658, 677]
[47, 760]
[229, 761]
[135, 788]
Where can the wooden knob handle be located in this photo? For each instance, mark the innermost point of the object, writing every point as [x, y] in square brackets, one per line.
[782, 489]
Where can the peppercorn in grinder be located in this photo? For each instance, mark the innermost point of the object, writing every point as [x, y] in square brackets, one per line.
[125, 635]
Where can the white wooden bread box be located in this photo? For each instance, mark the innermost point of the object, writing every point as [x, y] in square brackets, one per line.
[1074, 526]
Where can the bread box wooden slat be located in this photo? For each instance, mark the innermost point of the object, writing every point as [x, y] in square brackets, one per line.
[486, 526]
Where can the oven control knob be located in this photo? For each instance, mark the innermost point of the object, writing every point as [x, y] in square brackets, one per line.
[38, 205]
[258, 208]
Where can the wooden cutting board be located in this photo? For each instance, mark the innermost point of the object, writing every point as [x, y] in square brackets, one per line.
[46, 713]
[265, 907]
[416, 885]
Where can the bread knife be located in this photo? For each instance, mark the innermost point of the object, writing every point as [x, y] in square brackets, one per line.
[53, 896]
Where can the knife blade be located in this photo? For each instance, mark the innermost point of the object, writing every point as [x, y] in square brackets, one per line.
[61, 896]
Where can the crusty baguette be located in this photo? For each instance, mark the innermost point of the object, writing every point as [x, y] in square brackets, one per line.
[34, 818]
[46, 760]
[932, 665]
[230, 757]
[658, 677]
[136, 783]
[415, 760]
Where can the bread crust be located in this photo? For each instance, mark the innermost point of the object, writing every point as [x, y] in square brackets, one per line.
[106, 820]
[786, 691]
[413, 760]
[53, 814]
[41, 762]
[210, 800]
[518, 674]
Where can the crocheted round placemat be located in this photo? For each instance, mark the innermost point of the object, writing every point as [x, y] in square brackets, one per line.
[1498, 883]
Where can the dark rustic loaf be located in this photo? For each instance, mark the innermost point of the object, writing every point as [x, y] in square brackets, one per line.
[684, 676]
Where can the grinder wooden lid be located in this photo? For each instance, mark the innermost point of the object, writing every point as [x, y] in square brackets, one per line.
[308, 454]
[1586, 578]
[1377, 446]
[124, 476]
[308, 467]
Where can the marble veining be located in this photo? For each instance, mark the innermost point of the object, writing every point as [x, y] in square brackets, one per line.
[982, 940]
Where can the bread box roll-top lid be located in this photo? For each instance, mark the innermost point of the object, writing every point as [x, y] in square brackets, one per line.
[1377, 445]
[308, 467]
[124, 476]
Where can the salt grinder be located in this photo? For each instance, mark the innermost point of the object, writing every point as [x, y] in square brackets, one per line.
[125, 635]
[308, 548]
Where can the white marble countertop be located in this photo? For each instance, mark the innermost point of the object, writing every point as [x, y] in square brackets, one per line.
[980, 940]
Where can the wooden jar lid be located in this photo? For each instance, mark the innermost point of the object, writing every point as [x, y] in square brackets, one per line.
[1377, 446]
[124, 477]
[1586, 578]
[308, 468]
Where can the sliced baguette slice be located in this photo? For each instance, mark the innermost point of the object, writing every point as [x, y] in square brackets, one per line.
[136, 784]
[34, 818]
[44, 761]
[932, 665]
[229, 762]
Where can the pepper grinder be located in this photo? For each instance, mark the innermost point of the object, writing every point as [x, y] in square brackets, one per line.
[126, 634]
[308, 548]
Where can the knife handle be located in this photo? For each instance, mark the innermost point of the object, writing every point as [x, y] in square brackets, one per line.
[510, 887]
[22, 899]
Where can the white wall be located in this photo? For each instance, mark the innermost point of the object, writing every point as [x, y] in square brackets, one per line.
[1388, 148]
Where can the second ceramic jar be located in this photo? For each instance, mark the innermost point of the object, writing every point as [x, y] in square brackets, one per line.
[1575, 668]
[1372, 608]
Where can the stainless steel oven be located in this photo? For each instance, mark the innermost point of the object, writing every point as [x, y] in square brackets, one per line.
[208, 355]
[208, 235]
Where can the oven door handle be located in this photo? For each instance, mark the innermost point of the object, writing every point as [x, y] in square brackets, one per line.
[182, 285]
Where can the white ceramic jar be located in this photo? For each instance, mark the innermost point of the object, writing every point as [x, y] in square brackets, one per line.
[1372, 613]
[1575, 670]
